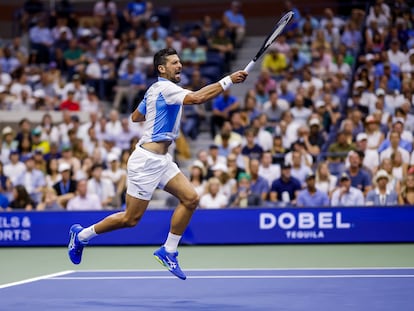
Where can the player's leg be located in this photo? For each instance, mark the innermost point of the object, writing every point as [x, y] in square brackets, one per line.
[80, 236]
[180, 187]
[145, 171]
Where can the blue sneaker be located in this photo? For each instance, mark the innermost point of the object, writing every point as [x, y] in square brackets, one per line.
[169, 260]
[75, 247]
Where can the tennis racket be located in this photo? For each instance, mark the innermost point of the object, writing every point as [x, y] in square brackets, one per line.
[277, 30]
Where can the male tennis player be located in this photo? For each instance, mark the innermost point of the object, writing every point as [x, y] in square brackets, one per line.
[150, 166]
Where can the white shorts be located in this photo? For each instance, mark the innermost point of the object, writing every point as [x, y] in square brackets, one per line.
[147, 171]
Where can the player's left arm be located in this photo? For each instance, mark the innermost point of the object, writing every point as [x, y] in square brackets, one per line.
[212, 90]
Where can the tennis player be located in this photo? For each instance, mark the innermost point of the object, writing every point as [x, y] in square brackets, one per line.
[151, 166]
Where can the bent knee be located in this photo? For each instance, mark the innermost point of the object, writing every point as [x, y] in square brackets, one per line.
[192, 201]
[131, 221]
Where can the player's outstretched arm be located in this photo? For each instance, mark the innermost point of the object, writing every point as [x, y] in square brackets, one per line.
[212, 90]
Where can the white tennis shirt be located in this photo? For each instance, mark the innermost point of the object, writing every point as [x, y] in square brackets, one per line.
[162, 107]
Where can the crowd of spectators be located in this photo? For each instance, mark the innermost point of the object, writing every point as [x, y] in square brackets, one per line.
[328, 122]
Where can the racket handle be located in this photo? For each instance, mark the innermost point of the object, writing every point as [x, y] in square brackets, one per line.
[249, 66]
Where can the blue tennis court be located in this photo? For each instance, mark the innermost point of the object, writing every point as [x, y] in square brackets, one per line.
[234, 289]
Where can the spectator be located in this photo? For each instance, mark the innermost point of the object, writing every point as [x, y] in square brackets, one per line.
[312, 196]
[274, 61]
[223, 106]
[406, 196]
[338, 150]
[137, 13]
[267, 169]
[106, 13]
[193, 56]
[65, 188]
[83, 200]
[213, 198]
[91, 103]
[15, 167]
[67, 157]
[374, 135]
[223, 45]
[41, 40]
[245, 196]
[346, 195]
[299, 169]
[197, 177]
[5, 183]
[274, 107]
[130, 84]
[227, 184]
[73, 58]
[69, 103]
[370, 156]
[236, 162]
[395, 145]
[117, 175]
[49, 132]
[32, 179]
[7, 145]
[399, 168]
[50, 200]
[155, 26]
[38, 143]
[127, 133]
[101, 75]
[101, 186]
[380, 196]
[258, 184]
[315, 139]
[8, 62]
[251, 149]
[360, 177]
[21, 199]
[52, 173]
[235, 22]
[284, 190]
[325, 181]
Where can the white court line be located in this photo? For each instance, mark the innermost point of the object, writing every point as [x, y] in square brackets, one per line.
[339, 276]
[251, 269]
[42, 277]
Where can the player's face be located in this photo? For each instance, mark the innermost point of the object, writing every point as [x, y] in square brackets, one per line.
[172, 69]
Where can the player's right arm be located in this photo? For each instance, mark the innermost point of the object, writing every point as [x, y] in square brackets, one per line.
[139, 114]
[212, 90]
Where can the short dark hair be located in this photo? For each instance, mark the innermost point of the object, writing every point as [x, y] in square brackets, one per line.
[160, 58]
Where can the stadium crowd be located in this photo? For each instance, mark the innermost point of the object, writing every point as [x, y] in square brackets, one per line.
[329, 121]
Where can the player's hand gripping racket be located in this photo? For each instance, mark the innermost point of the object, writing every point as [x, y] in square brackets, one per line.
[271, 38]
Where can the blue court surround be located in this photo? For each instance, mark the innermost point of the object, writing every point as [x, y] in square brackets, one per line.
[239, 289]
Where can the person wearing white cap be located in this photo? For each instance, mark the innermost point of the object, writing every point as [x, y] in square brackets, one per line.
[371, 156]
[381, 196]
[8, 144]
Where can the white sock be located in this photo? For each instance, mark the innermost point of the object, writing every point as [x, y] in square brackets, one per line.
[86, 234]
[172, 242]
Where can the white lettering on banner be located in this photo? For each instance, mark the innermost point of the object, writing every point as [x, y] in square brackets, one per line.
[306, 221]
[303, 222]
[15, 235]
[9, 222]
[15, 228]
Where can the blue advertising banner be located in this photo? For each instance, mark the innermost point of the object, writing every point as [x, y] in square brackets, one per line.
[228, 226]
